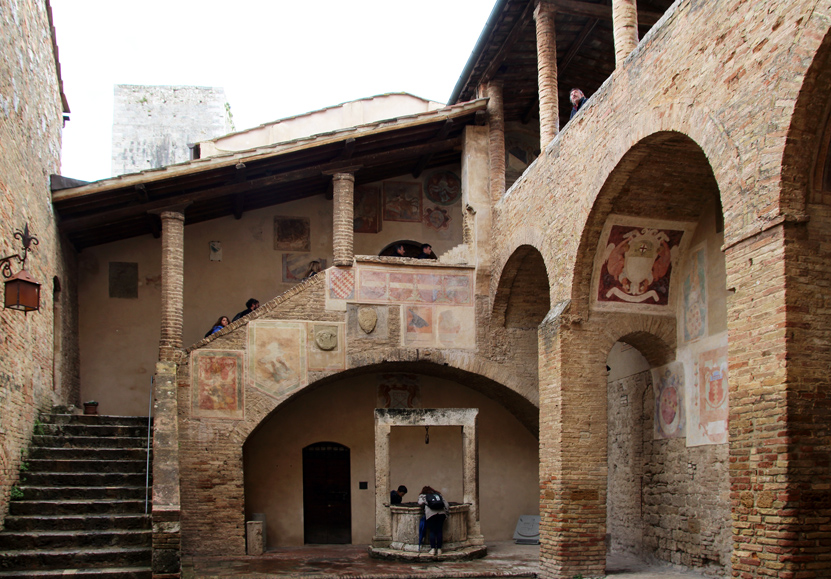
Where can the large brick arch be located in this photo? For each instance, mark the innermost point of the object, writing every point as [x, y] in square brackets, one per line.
[488, 378]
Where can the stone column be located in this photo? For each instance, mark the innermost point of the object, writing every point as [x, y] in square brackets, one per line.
[496, 139]
[383, 516]
[625, 24]
[173, 241]
[470, 472]
[343, 185]
[547, 73]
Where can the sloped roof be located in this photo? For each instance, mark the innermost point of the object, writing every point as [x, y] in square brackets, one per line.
[232, 183]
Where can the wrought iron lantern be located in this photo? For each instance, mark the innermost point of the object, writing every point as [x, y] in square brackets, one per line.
[22, 291]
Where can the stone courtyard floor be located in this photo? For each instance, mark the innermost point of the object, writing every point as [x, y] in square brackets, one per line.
[504, 559]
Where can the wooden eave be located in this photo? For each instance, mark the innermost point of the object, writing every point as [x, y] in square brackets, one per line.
[233, 183]
[507, 52]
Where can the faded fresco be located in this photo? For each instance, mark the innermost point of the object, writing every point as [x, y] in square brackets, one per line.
[398, 391]
[217, 379]
[367, 209]
[455, 327]
[443, 188]
[418, 325]
[712, 399]
[668, 385]
[277, 356]
[296, 266]
[635, 262]
[439, 326]
[292, 233]
[326, 346]
[695, 296]
[386, 286]
[436, 218]
[402, 201]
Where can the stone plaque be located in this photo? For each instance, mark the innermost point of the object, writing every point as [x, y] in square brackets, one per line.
[326, 337]
[367, 318]
[527, 530]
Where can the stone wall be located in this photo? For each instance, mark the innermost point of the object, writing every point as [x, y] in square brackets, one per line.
[30, 131]
[153, 125]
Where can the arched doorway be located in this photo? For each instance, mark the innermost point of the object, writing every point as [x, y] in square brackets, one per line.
[327, 511]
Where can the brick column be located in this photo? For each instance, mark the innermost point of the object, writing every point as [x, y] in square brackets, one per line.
[625, 24]
[764, 494]
[496, 139]
[343, 185]
[547, 73]
[573, 440]
[173, 259]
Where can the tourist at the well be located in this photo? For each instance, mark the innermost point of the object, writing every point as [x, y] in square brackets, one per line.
[436, 509]
[397, 496]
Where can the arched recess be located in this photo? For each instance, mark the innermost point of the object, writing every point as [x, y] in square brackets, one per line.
[340, 408]
[649, 273]
[805, 391]
[520, 304]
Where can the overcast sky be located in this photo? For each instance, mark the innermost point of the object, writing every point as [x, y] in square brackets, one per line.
[274, 58]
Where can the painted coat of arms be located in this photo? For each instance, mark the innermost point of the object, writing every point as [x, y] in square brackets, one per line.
[634, 265]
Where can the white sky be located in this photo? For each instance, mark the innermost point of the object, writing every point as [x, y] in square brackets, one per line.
[274, 58]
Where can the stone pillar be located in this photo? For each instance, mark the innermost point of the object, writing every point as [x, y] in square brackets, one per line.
[625, 24]
[166, 513]
[573, 440]
[470, 474]
[343, 185]
[173, 260]
[383, 516]
[547, 73]
[496, 139]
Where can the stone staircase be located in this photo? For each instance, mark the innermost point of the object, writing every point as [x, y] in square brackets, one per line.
[83, 501]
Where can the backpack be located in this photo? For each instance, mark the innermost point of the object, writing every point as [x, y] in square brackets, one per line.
[434, 501]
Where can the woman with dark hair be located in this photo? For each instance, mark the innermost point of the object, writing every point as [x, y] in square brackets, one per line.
[436, 509]
[220, 323]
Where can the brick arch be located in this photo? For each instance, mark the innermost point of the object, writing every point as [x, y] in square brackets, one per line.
[523, 281]
[526, 236]
[807, 143]
[487, 378]
[668, 153]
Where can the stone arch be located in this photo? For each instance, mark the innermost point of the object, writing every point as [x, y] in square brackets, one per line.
[517, 302]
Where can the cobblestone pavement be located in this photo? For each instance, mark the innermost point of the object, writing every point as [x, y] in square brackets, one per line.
[505, 559]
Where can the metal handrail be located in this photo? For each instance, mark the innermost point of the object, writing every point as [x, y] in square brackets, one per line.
[147, 466]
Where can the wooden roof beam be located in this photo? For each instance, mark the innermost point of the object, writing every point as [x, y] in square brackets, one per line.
[513, 36]
[114, 215]
[424, 160]
[600, 11]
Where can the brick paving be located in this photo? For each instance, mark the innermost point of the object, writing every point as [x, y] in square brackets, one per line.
[505, 559]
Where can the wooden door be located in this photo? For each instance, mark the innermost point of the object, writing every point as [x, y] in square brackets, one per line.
[327, 507]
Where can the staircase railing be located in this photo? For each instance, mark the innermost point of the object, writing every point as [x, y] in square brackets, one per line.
[147, 466]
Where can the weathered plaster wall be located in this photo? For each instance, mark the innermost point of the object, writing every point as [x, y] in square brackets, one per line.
[30, 133]
[273, 457]
[120, 336]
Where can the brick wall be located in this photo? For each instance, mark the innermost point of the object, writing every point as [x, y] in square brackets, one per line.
[30, 130]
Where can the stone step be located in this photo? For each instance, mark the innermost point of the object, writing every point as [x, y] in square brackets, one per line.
[39, 559]
[78, 479]
[93, 419]
[86, 522]
[82, 493]
[66, 453]
[75, 507]
[56, 540]
[102, 573]
[86, 465]
[102, 430]
[136, 442]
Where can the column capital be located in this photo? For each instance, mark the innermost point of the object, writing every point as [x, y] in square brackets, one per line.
[171, 211]
[544, 5]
